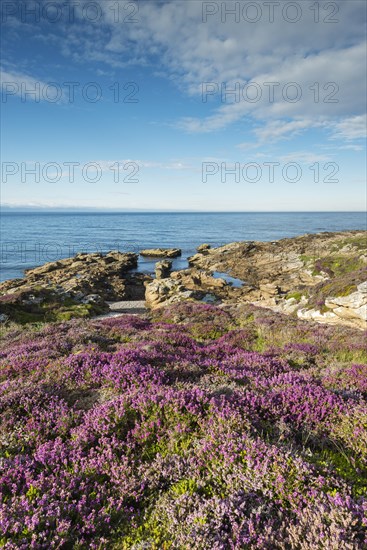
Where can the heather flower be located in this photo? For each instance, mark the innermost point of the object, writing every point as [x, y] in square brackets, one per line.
[179, 432]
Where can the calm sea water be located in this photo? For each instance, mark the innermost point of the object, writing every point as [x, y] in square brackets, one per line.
[32, 238]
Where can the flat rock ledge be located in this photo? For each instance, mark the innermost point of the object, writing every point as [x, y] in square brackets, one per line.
[161, 252]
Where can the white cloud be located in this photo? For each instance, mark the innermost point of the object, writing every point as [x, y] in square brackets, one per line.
[351, 147]
[305, 157]
[305, 53]
[351, 128]
[306, 90]
[18, 84]
[29, 88]
[191, 52]
[282, 129]
[105, 165]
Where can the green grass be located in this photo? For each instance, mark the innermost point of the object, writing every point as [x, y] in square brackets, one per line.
[341, 284]
[338, 265]
[306, 259]
[352, 470]
[296, 295]
[75, 311]
[360, 243]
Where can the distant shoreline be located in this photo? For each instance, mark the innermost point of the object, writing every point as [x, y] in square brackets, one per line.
[91, 210]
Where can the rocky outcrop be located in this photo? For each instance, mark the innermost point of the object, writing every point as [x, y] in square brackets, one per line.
[319, 277]
[163, 269]
[168, 291]
[84, 274]
[353, 306]
[189, 284]
[203, 248]
[197, 279]
[38, 304]
[288, 263]
[349, 310]
[81, 285]
[161, 252]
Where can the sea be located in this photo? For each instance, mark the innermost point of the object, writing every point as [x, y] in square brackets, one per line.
[30, 239]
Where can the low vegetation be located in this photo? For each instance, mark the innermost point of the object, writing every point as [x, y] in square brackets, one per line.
[199, 427]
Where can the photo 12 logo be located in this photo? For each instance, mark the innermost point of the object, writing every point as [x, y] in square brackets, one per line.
[269, 92]
[270, 12]
[68, 92]
[269, 172]
[70, 11]
[69, 172]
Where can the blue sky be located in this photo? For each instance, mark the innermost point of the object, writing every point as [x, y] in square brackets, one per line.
[148, 126]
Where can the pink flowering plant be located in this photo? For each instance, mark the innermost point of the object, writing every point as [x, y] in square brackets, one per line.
[198, 427]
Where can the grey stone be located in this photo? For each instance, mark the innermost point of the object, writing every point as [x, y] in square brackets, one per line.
[92, 299]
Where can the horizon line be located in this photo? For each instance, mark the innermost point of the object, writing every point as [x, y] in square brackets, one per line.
[164, 211]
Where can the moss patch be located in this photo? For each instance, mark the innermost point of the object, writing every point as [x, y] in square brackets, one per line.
[337, 265]
[342, 285]
[39, 305]
[296, 295]
[359, 242]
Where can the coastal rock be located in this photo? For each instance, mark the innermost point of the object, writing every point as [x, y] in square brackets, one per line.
[210, 299]
[318, 277]
[197, 279]
[315, 276]
[163, 269]
[39, 304]
[77, 286]
[348, 310]
[168, 291]
[84, 275]
[355, 300]
[351, 308]
[269, 290]
[203, 248]
[189, 284]
[317, 315]
[161, 252]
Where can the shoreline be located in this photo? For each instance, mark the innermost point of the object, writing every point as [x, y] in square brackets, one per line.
[316, 276]
[143, 262]
[32, 240]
